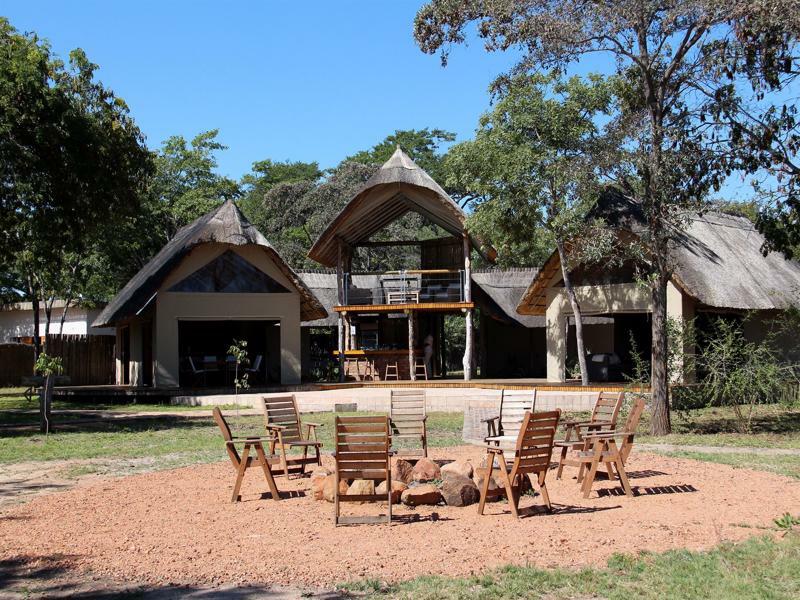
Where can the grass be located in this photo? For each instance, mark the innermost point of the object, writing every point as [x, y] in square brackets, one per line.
[763, 567]
[169, 436]
[782, 465]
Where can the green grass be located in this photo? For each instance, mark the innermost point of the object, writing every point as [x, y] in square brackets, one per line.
[165, 436]
[758, 568]
[782, 465]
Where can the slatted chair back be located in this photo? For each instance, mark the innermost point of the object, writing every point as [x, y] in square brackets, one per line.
[631, 423]
[535, 442]
[607, 407]
[513, 405]
[282, 411]
[233, 454]
[362, 452]
[407, 413]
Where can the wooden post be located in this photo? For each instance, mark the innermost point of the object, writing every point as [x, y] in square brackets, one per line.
[442, 347]
[341, 347]
[412, 318]
[468, 346]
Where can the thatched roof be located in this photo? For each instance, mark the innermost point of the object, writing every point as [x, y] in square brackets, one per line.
[224, 225]
[717, 260]
[398, 187]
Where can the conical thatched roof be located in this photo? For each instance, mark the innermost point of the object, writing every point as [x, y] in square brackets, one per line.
[398, 187]
[224, 225]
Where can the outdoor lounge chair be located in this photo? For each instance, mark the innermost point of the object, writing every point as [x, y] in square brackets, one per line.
[513, 405]
[602, 447]
[282, 420]
[604, 418]
[408, 417]
[362, 452]
[532, 454]
[245, 461]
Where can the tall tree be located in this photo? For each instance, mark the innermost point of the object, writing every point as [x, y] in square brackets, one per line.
[533, 168]
[72, 162]
[664, 49]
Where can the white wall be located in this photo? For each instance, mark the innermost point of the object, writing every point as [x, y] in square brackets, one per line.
[19, 323]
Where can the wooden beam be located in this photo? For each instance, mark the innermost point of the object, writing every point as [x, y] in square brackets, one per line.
[371, 244]
[412, 334]
[450, 307]
[468, 346]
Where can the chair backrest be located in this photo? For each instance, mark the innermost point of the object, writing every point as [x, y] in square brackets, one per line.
[257, 362]
[513, 405]
[631, 423]
[535, 442]
[191, 364]
[362, 447]
[406, 411]
[607, 407]
[233, 454]
[282, 410]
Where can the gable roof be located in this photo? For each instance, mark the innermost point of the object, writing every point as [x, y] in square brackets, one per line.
[398, 187]
[224, 225]
[717, 260]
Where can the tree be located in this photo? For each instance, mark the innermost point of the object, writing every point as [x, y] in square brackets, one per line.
[72, 162]
[666, 51]
[532, 168]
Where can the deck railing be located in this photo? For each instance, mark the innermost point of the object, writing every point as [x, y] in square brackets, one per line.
[404, 287]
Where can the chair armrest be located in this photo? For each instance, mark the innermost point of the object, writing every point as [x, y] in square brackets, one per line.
[313, 424]
[252, 440]
[607, 435]
[490, 419]
[275, 427]
[494, 450]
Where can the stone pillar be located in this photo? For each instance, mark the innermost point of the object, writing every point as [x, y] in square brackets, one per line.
[412, 334]
[341, 347]
[556, 342]
[680, 308]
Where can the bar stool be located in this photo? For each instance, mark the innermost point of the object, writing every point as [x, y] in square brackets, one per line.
[369, 369]
[420, 368]
[391, 372]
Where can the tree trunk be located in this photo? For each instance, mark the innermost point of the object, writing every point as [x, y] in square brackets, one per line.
[576, 311]
[45, 402]
[660, 423]
[48, 316]
[37, 343]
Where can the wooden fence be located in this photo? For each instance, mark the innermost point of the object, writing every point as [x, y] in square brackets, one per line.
[88, 360]
[16, 362]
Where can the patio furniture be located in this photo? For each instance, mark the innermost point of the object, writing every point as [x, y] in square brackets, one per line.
[282, 421]
[513, 405]
[245, 461]
[602, 447]
[255, 369]
[532, 454]
[604, 418]
[362, 452]
[408, 417]
[391, 372]
[420, 369]
[198, 373]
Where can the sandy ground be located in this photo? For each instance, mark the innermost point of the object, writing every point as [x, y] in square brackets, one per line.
[179, 526]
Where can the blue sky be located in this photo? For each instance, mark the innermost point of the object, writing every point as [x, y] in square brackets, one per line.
[281, 80]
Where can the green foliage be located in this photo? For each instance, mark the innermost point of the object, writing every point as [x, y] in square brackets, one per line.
[49, 365]
[787, 522]
[239, 352]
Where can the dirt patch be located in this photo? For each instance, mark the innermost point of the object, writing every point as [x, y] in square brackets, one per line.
[179, 527]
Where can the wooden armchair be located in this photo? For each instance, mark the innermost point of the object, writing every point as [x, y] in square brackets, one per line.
[282, 421]
[532, 454]
[408, 417]
[513, 404]
[362, 452]
[602, 447]
[245, 461]
[604, 418]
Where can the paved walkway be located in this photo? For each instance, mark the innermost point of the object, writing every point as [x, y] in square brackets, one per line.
[719, 449]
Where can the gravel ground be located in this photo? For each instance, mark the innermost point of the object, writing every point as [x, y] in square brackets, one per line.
[179, 527]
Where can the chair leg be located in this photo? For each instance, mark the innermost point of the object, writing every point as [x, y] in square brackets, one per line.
[240, 473]
[303, 464]
[284, 462]
[262, 458]
[561, 462]
[509, 490]
[545, 494]
[319, 458]
[589, 480]
[486, 480]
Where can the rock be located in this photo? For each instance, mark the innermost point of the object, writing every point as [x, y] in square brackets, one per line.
[318, 482]
[462, 468]
[398, 487]
[329, 488]
[402, 471]
[361, 487]
[426, 470]
[478, 478]
[422, 494]
[321, 472]
[458, 490]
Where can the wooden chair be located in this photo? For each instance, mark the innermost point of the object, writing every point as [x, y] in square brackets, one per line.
[532, 455]
[391, 372]
[602, 447]
[282, 420]
[362, 452]
[408, 417]
[513, 405]
[243, 462]
[420, 368]
[604, 418]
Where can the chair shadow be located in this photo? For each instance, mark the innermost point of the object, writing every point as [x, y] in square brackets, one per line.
[602, 475]
[657, 490]
[408, 519]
